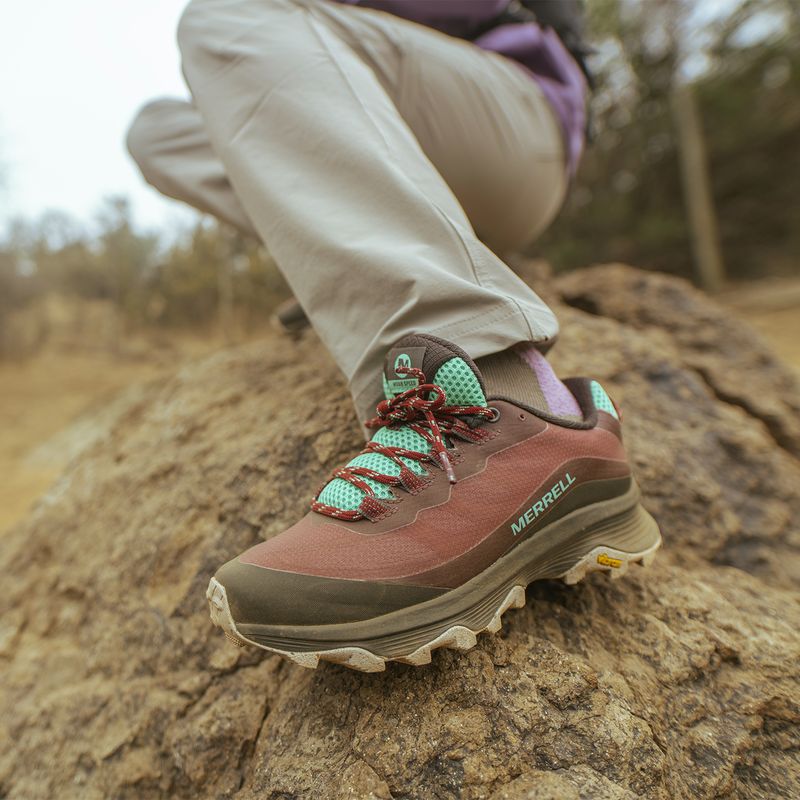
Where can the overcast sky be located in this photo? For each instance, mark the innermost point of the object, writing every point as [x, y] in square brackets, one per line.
[71, 76]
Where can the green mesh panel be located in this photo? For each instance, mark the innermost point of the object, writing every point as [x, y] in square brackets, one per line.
[602, 400]
[401, 437]
[460, 383]
[462, 389]
[342, 494]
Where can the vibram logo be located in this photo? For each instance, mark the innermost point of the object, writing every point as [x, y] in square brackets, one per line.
[547, 499]
[606, 561]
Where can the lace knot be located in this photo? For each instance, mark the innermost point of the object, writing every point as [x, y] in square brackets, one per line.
[423, 409]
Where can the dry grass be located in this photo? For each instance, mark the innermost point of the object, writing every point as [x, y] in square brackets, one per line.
[44, 396]
[38, 399]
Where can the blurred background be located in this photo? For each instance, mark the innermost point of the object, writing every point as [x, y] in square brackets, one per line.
[694, 170]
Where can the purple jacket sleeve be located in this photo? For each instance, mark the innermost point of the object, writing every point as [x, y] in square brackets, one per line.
[455, 17]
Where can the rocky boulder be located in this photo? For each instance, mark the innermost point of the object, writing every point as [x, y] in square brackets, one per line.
[679, 681]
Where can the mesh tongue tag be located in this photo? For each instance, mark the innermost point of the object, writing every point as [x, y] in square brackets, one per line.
[393, 382]
[442, 362]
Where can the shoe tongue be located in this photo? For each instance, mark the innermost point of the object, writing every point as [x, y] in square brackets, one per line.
[443, 363]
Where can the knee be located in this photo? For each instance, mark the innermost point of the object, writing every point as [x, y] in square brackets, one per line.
[203, 23]
[146, 133]
[208, 27]
[192, 25]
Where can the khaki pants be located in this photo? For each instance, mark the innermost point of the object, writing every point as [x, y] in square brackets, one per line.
[382, 163]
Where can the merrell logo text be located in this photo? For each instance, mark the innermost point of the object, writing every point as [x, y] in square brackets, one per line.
[547, 499]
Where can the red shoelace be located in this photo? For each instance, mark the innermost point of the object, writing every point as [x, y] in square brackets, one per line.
[432, 420]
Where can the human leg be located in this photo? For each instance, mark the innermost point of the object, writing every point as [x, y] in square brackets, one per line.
[168, 142]
[297, 100]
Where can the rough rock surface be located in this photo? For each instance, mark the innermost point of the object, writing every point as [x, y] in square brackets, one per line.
[680, 681]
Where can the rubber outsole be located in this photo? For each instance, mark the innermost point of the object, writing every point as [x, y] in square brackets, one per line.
[457, 637]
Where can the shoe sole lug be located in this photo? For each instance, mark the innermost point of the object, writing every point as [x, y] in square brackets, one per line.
[458, 637]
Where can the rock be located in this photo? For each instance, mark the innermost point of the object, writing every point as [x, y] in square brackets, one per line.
[713, 342]
[680, 681]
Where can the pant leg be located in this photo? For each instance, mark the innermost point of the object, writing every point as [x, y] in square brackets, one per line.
[492, 135]
[510, 192]
[480, 118]
[297, 99]
[169, 143]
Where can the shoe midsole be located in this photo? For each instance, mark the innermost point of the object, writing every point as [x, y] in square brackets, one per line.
[619, 523]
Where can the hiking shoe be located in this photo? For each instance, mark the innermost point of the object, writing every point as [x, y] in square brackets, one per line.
[290, 318]
[423, 540]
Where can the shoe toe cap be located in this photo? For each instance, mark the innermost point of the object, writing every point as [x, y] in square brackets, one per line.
[259, 595]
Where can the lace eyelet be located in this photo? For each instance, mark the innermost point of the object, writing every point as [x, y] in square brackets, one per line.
[495, 414]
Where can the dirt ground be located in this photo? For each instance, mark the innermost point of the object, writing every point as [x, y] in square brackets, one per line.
[38, 399]
[781, 328]
[772, 307]
[52, 405]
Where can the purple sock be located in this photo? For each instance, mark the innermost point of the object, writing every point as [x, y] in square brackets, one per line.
[558, 397]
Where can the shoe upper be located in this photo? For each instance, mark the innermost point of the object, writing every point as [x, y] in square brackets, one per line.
[406, 533]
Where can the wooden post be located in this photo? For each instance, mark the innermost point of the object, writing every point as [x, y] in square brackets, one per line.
[708, 263]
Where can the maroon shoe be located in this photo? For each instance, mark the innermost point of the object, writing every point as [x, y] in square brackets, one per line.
[423, 540]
